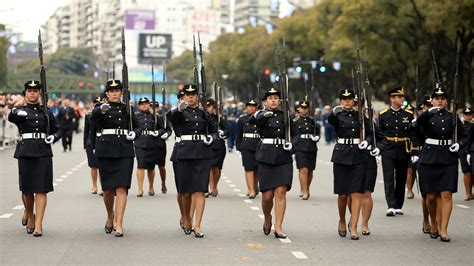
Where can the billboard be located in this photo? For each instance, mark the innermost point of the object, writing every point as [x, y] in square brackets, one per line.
[154, 46]
[139, 19]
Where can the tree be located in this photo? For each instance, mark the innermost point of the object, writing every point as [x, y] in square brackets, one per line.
[4, 43]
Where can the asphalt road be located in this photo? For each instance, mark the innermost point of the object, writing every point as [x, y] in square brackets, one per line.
[73, 227]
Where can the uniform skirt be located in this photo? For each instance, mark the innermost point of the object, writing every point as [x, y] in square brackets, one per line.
[248, 160]
[193, 175]
[371, 176]
[436, 178]
[91, 158]
[349, 178]
[305, 159]
[115, 172]
[36, 174]
[465, 167]
[275, 175]
[148, 158]
[175, 176]
[218, 156]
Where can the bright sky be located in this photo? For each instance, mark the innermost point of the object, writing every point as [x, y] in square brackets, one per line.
[26, 16]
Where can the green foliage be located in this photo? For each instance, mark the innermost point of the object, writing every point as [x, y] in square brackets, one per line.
[4, 43]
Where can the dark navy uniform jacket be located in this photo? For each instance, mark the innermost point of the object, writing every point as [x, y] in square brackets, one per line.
[146, 122]
[346, 124]
[245, 125]
[271, 127]
[439, 126]
[470, 135]
[191, 122]
[304, 125]
[218, 143]
[66, 116]
[114, 146]
[90, 131]
[469, 147]
[177, 134]
[34, 122]
[397, 124]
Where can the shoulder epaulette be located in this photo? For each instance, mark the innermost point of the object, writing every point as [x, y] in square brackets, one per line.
[296, 119]
[408, 111]
[383, 111]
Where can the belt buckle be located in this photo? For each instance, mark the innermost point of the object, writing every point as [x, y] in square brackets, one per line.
[443, 142]
[36, 135]
[119, 131]
[194, 137]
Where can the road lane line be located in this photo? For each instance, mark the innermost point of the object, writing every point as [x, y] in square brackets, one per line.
[55, 184]
[380, 181]
[248, 201]
[64, 176]
[6, 215]
[70, 172]
[18, 207]
[255, 208]
[224, 177]
[232, 185]
[237, 190]
[462, 206]
[299, 255]
[261, 216]
[242, 195]
[228, 181]
[286, 240]
[59, 180]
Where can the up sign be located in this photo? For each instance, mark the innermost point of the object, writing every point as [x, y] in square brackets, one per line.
[154, 46]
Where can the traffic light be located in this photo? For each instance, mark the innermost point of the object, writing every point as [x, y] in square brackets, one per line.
[322, 69]
[81, 84]
[267, 72]
[299, 69]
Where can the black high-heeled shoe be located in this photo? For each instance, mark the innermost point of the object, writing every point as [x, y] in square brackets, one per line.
[187, 231]
[425, 230]
[356, 237]
[434, 235]
[267, 231]
[365, 233]
[30, 230]
[37, 234]
[342, 233]
[181, 225]
[108, 230]
[280, 236]
[118, 234]
[198, 234]
[24, 222]
[444, 239]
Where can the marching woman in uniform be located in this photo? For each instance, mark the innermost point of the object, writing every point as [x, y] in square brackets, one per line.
[246, 141]
[307, 135]
[438, 164]
[349, 160]
[274, 161]
[218, 147]
[464, 155]
[90, 131]
[34, 154]
[150, 147]
[193, 155]
[115, 153]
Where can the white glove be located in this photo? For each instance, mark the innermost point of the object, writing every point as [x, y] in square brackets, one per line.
[165, 135]
[155, 134]
[294, 157]
[363, 145]
[49, 139]
[288, 146]
[267, 113]
[221, 134]
[434, 110]
[22, 113]
[208, 140]
[454, 147]
[131, 135]
[104, 107]
[337, 109]
[413, 122]
[182, 105]
[414, 159]
[375, 152]
[468, 158]
[315, 138]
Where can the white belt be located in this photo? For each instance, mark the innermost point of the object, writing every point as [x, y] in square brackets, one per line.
[146, 132]
[251, 135]
[306, 136]
[177, 139]
[114, 131]
[273, 141]
[98, 134]
[192, 137]
[348, 141]
[37, 135]
[443, 142]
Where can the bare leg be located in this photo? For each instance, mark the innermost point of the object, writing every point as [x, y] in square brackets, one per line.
[426, 214]
[355, 211]
[468, 185]
[431, 202]
[29, 202]
[438, 210]
[41, 200]
[109, 199]
[310, 180]
[410, 182]
[303, 174]
[280, 207]
[188, 211]
[179, 199]
[341, 206]
[162, 170]
[250, 183]
[120, 205]
[94, 175]
[200, 200]
[151, 180]
[367, 205]
[255, 181]
[267, 206]
[140, 178]
[213, 179]
[446, 209]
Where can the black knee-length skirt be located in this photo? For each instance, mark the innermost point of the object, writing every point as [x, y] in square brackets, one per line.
[465, 167]
[305, 159]
[437, 178]
[91, 158]
[148, 158]
[218, 156]
[349, 178]
[248, 160]
[35, 174]
[275, 175]
[115, 172]
[371, 177]
[175, 165]
[193, 175]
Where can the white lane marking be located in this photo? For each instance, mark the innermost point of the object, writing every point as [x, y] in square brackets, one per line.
[55, 184]
[64, 176]
[463, 206]
[254, 208]
[75, 168]
[232, 185]
[18, 207]
[237, 190]
[59, 180]
[224, 177]
[248, 201]
[299, 255]
[70, 172]
[326, 163]
[6, 215]
[228, 181]
[286, 240]
[242, 195]
[380, 181]
[320, 161]
[261, 216]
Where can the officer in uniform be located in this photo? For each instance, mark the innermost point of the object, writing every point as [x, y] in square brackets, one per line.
[150, 147]
[90, 131]
[34, 154]
[193, 154]
[218, 146]
[349, 159]
[464, 155]
[66, 119]
[394, 123]
[307, 134]
[246, 142]
[438, 164]
[115, 153]
[274, 161]
[231, 114]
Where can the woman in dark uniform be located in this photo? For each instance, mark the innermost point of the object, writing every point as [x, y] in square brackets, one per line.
[274, 161]
[218, 147]
[349, 156]
[34, 154]
[90, 131]
[464, 158]
[115, 153]
[438, 165]
[150, 147]
[246, 141]
[193, 154]
[307, 134]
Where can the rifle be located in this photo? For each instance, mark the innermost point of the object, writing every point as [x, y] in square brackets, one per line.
[455, 94]
[438, 79]
[163, 95]
[359, 92]
[203, 85]
[44, 91]
[368, 97]
[195, 67]
[107, 74]
[259, 88]
[216, 89]
[284, 93]
[125, 83]
[113, 70]
[417, 97]
[311, 94]
[153, 96]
